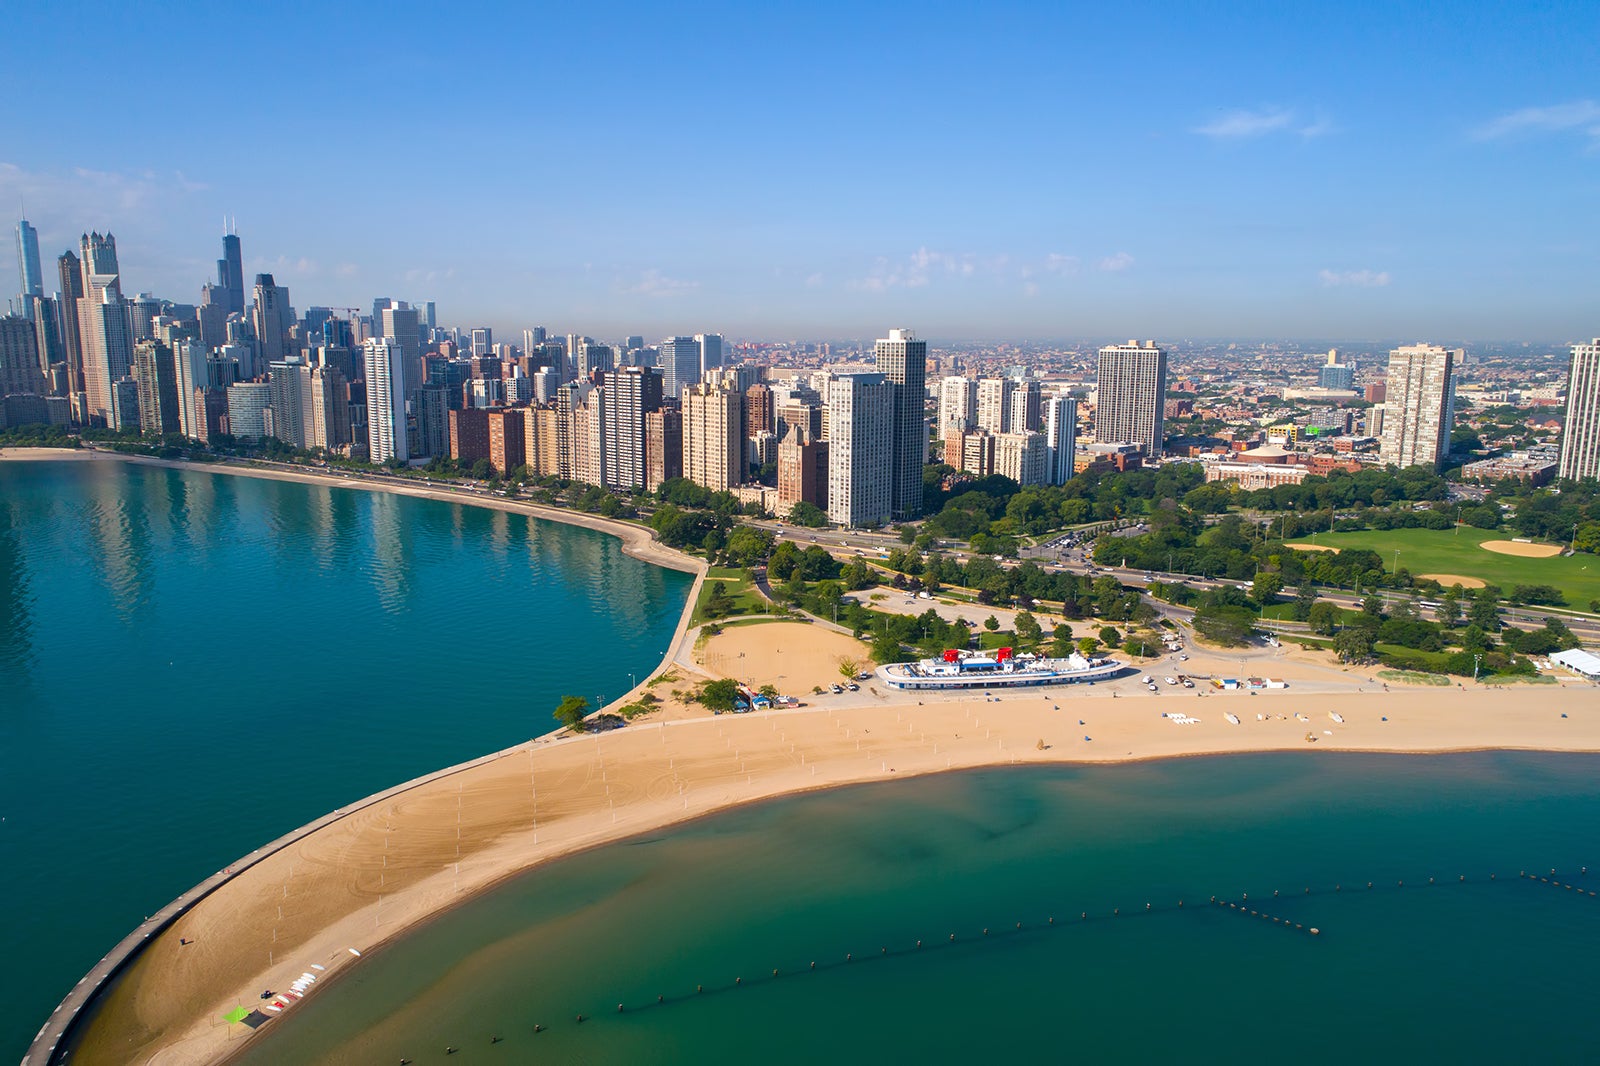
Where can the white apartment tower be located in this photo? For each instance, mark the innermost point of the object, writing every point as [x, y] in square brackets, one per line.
[861, 414]
[903, 361]
[994, 404]
[1132, 393]
[1060, 418]
[1416, 421]
[383, 360]
[1580, 437]
[958, 403]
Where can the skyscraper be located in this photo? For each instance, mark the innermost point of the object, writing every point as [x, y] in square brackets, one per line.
[28, 262]
[189, 360]
[398, 322]
[1132, 393]
[1580, 437]
[19, 357]
[103, 327]
[1060, 418]
[1416, 423]
[1334, 374]
[230, 274]
[710, 351]
[482, 340]
[631, 394]
[903, 360]
[290, 382]
[272, 317]
[861, 430]
[157, 375]
[958, 404]
[680, 365]
[994, 404]
[663, 446]
[383, 364]
[713, 441]
[71, 272]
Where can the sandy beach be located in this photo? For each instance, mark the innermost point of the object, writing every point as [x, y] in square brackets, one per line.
[382, 866]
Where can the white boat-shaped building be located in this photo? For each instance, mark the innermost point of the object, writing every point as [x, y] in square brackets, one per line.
[960, 670]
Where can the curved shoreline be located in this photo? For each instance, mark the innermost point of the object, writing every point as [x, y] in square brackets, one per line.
[637, 542]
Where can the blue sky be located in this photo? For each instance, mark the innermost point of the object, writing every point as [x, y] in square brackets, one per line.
[1354, 171]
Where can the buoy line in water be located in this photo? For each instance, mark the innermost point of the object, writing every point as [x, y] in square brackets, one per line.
[985, 934]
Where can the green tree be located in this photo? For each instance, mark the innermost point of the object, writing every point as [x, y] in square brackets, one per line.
[1061, 644]
[1485, 610]
[1028, 631]
[991, 623]
[1088, 645]
[1324, 618]
[1109, 636]
[1305, 597]
[1372, 606]
[885, 649]
[482, 469]
[571, 711]
[1266, 588]
[718, 695]
[1353, 645]
[1449, 610]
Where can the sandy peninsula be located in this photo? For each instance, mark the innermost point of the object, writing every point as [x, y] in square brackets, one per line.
[366, 874]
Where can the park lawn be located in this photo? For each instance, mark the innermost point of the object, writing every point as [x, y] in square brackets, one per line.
[739, 586]
[1449, 551]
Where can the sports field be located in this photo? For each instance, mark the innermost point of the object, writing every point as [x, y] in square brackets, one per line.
[1443, 551]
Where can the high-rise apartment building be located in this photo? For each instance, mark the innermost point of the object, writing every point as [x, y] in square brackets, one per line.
[398, 323]
[1580, 436]
[760, 415]
[861, 453]
[1334, 374]
[289, 381]
[250, 410]
[1060, 426]
[680, 365]
[1132, 395]
[539, 441]
[1022, 457]
[193, 375]
[994, 404]
[631, 394]
[482, 341]
[595, 358]
[19, 357]
[903, 360]
[508, 448]
[329, 408]
[663, 447]
[1416, 422]
[156, 372]
[958, 404]
[1023, 415]
[271, 317]
[70, 271]
[713, 438]
[802, 471]
[28, 262]
[384, 370]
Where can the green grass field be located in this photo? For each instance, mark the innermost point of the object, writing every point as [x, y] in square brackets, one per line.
[1437, 551]
[740, 588]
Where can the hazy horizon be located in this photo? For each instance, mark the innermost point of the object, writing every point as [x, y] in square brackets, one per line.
[1021, 171]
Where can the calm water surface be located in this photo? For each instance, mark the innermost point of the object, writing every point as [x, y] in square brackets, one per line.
[192, 664]
[1484, 971]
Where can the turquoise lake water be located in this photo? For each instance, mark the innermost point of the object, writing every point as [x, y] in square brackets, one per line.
[192, 664]
[1480, 971]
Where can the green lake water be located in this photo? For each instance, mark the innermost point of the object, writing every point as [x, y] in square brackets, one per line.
[1478, 971]
[192, 664]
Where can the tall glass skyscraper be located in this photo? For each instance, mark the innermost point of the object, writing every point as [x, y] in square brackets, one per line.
[28, 262]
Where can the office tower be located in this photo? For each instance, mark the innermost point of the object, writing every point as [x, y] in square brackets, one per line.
[19, 357]
[1580, 436]
[1334, 374]
[1416, 426]
[802, 470]
[41, 311]
[103, 327]
[663, 447]
[142, 312]
[71, 274]
[760, 415]
[634, 342]
[518, 388]
[430, 316]
[710, 351]
[28, 262]
[383, 368]
[1060, 418]
[680, 365]
[230, 275]
[193, 378]
[800, 413]
[594, 358]
[398, 322]
[1022, 415]
[1132, 393]
[994, 404]
[903, 360]
[631, 394]
[482, 340]
[271, 317]
[713, 441]
[861, 454]
[958, 404]
[156, 374]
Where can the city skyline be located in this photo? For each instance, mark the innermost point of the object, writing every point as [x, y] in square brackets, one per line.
[1283, 174]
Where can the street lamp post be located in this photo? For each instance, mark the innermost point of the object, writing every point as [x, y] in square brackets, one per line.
[1475, 660]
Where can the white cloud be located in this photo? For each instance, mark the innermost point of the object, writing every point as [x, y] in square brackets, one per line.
[284, 267]
[1114, 263]
[814, 281]
[346, 270]
[1241, 125]
[654, 283]
[1581, 115]
[1358, 279]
